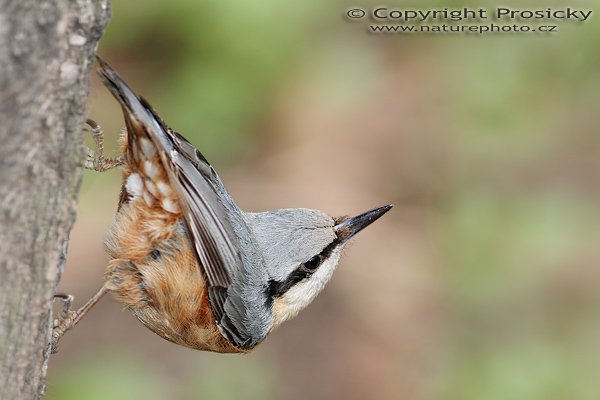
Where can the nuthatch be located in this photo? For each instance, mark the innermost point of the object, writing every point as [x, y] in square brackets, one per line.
[187, 262]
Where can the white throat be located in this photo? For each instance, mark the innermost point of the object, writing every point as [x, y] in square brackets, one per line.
[304, 292]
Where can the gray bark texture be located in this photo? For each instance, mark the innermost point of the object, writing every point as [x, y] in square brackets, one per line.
[46, 54]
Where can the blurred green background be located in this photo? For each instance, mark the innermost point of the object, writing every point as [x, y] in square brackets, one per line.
[482, 283]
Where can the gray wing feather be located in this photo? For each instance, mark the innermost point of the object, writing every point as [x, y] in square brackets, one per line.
[214, 222]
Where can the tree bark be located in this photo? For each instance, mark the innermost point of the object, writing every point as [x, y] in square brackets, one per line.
[46, 54]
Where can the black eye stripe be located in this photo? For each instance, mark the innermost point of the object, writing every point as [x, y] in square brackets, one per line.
[279, 288]
[305, 270]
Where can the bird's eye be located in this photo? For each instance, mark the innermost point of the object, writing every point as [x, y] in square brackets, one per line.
[313, 263]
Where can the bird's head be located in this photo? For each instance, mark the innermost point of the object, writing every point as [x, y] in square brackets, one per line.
[301, 248]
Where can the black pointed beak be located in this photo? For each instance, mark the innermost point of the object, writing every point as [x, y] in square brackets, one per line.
[351, 226]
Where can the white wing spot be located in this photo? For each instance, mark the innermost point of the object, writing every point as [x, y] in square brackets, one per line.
[163, 188]
[147, 147]
[170, 206]
[150, 170]
[134, 185]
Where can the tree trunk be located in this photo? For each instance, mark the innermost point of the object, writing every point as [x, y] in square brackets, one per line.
[46, 54]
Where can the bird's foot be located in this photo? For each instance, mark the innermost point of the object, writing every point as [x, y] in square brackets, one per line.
[96, 160]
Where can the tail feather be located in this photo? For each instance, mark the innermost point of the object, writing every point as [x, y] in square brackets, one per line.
[137, 110]
[147, 177]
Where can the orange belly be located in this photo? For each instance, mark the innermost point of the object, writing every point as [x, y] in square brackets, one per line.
[154, 272]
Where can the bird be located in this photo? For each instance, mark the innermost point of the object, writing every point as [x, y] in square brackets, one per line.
[185, 259]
